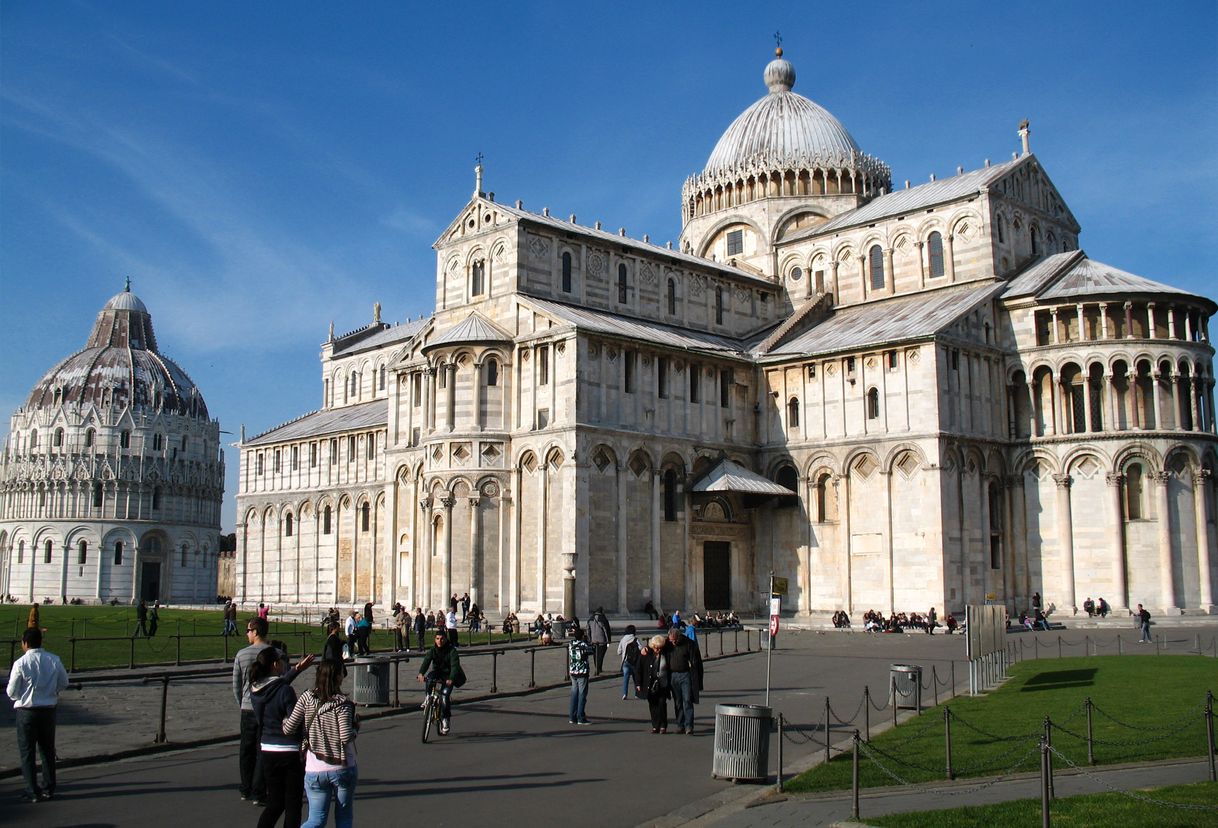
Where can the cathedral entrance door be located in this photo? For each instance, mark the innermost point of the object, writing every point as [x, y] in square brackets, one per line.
[717, 575]
[150, 581]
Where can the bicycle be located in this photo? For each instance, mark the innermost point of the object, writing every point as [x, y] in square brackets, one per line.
[433, 707]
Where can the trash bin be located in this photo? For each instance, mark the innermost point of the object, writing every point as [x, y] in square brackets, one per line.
[906, 686]
[742, 742]
[558, 630]
[371, 681]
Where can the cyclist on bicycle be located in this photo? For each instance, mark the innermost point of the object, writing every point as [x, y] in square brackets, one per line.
[444, 665]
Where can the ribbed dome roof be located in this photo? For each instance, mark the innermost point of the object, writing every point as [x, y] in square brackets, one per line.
[120, 366]
[783, 130]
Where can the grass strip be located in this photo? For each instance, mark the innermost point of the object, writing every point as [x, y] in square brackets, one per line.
[1145, 708]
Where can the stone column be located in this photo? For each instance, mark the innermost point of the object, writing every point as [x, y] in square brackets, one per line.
[568, 584]
[656, 515]
[478, 393]
[475, 553]
[446, 579]
[1034, 429]
[1104, 320]
[1065, 532]
[450, 401]
[1133, 398]
[424, 562]
[921, 264]
[1194, 409]
[1109, 404]
[841, 483]
[949, 257]
[1155, 376]
[1082, 328]
[1055, 339]
[1086, 402]
[1116, 540]
[1167, 581]
[429, 398]
[891, 272]
[514, 553]
[1129, 320]
[619, 470]
[1171, 321]
[1201, 482]
[543, 515]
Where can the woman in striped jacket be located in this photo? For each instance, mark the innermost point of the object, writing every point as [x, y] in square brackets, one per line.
[327, 718]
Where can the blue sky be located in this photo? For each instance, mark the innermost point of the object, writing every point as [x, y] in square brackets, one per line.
[260, 169]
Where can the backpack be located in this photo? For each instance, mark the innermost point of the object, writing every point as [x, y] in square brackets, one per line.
[632, 653]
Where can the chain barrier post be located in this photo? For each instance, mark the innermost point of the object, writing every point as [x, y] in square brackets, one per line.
[1120, 651]
[780, 724]
[1048, 745]
[131, 655]
[1209, 732]
[947, 736]
[72, 658]
[177, 653]
[1087, 645]
[953, 679]
[867, 712]
[1156, 639]
[1045, 785]
[828, 725]
[934, 679]
[225, 649]
[532, 669]
[160, 734]
[1059, 646]
[1198, 643]
[1035, 646]
[397, 681]
[1090, 735]
[854, 780]
[494, 671]
[892, 700]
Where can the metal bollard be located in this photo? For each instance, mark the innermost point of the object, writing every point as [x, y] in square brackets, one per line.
[494, 671]
[1090, 737]
[131, 656]
[532, 669]
[72, 658]
[1209, 733]
[1087, 645]
[1119, 650]
[1059, 646]
[1035, 647]
[1049, 744]
[947, 740]
[161, 738]
[780, 724]
[953, 679]
[934, 679]
[828, 727]
[854, 779]
[867, 711]
[177, 653]
[1046, 793]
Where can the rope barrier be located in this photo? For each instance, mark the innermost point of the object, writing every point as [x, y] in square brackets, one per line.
[1188, 806]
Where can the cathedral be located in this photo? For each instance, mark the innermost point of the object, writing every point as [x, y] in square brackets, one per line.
[112, 478]
[894, 398]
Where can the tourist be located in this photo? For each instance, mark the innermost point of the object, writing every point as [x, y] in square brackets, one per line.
[652, 682]
[685, 667]
[34, 621]
[154, 618]
[650, 609]
[932, 621]
[363, 633]
[34, 683]
[274, 699]
[264, 612]
[1143, 619]
[401, 617]
[327, 719]
[332, 650]
[450, 625]
[1089, 607]
[1102, 608]
[141, 620]
[420, 627]
[443, 664]
[248, 755]
[579, 653]
[628, 655]
[465, 604]
[599, 636]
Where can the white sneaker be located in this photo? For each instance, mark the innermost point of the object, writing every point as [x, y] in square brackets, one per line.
[444, 727]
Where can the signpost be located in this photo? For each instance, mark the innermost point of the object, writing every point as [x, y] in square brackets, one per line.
[778, 588]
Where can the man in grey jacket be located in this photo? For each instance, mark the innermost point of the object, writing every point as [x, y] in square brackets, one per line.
[599, 633]
[253, 786]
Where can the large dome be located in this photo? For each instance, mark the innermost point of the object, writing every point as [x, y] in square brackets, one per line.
[785, 130]
[120, 366]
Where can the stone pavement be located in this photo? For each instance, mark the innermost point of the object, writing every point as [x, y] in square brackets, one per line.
[516, 746]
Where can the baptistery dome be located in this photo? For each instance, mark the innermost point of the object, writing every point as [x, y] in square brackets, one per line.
[120, 365]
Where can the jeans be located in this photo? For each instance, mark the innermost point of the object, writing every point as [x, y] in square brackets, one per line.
[36, 729]
[323, 786]
[600, 656]
[1145, 630]
[446, 693]
[682, 700]
[627, 679]
[284, 773]
[249, 757]
[579, 698]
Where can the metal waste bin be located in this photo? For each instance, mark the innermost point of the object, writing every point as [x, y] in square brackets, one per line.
[906, 686]
[742, 742]
[558, 630]
[371, 681]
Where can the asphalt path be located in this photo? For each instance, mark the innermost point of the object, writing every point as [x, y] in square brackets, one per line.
[515, 759]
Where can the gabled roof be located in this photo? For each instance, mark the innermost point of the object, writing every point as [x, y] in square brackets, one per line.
[332, 421]
[473, 328]
[609, 239]
[727, 476]
[641, 330]
[1072, 276]
[902, 318]
[388, 335]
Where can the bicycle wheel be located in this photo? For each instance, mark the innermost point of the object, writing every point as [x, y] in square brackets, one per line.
[428, 715]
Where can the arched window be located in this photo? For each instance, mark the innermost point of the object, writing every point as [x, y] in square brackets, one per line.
[934, 251]
[364, 518]
[566, 272]
[1035, 235]
[491, 372]
[184, 443]
[156, 498]
[382, 380]
[89, 437]
[287, 525]
[82, 552]
[124, 439]
[826, 507]
[183, 558]
[873, 404]
[1135, 492]
[718, 306]
[672, 297]
[46, 555]
[118, 553]
[793, 412]
[34, 438]
[156, 442]
[258, 463]
[623, 284]
[57, 440]
[325, 521]
[788, 477]
[98, 494]
[876, 258]
[20, 551]
[670, 495]
[477, 278]
[1002, 230]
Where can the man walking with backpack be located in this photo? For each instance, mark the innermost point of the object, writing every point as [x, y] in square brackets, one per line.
[628, 655]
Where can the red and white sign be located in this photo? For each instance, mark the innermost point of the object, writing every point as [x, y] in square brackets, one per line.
[773, 625]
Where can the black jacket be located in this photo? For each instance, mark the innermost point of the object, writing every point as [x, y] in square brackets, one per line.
[332, 650]
[273, 700]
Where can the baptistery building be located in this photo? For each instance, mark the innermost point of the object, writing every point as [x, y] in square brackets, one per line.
[894, 397]
[112, 477]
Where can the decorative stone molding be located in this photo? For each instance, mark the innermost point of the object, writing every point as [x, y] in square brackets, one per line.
[1063, 481]
[448, 502]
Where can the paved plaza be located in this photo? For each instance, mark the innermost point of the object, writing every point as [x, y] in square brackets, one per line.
[513, 753]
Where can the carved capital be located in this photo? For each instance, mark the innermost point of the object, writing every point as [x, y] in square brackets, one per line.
[448, 502]
[473, 502]
[1160, 477]
[1114, 479]
[1201, 477]
[425, 503]
[1063, 481]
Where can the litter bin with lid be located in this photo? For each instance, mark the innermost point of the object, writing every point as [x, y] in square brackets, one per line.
[906, 685]
[742, 742]
[371, 681]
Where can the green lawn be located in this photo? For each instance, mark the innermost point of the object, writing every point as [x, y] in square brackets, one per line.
[1106, 810]
[201, 641]
[1145, 708]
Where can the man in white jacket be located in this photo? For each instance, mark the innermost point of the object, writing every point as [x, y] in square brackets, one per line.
[34, 685]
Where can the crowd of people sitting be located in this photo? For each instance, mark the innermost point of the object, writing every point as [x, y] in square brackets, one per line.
[897, 622]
